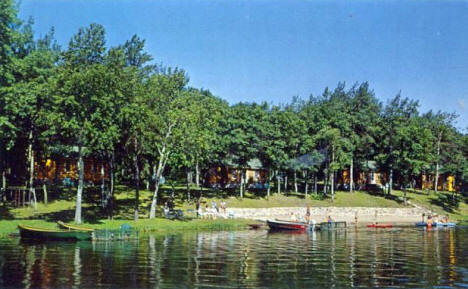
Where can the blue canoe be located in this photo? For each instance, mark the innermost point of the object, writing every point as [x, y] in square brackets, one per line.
[424, 224]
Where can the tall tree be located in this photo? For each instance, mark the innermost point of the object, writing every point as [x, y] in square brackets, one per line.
[395, 117]
[440, 124]
[80, 95]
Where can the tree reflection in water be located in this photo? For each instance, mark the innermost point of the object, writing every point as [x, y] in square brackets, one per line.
[250, 259]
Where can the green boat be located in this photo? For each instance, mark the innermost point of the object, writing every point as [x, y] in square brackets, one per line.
[325, 226]
[33, 233]
[74, 227]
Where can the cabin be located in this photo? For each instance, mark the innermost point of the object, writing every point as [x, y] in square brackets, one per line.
[60, 169]
[369, 175]
[446, 182]
[229, 175]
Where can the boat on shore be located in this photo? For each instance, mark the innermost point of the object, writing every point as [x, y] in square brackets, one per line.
[327, 226]
[287, 225]
[34, 233]
[436, 224]
[74, 227]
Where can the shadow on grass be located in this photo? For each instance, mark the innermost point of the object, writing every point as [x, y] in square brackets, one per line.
[5, 213]
[448, 202]
[380, 193]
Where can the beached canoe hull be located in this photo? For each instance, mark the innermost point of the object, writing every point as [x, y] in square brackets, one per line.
[73, 227]
[27, 232]
[287, 226]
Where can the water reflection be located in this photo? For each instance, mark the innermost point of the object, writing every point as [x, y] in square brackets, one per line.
[251, 259]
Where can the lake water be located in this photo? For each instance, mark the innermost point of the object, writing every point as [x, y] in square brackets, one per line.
[398, 257]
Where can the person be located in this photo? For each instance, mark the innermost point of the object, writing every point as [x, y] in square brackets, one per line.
[307, 215]
[436, 219]
[329, 220]
[445, 219]
[223, 207]
[429, 221]
[355, 218]
[214, 206]
[197, 207]
[423, 216]
[166, 209]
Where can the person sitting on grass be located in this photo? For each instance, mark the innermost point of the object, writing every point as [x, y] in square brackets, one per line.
[166, 210]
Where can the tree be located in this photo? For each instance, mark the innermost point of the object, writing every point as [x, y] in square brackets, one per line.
[166, 102]
[8, 34]
[364, 110]
[242, 135]
[395, 117]
[80, 95]
[440, 124]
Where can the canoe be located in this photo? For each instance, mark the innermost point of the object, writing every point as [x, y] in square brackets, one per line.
[324, 226]
[74, 227]
[287, 225]
[28, 232]
[379, 226]
[444, 224]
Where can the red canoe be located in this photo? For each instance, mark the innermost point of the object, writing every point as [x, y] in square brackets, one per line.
[286, 225]
[379, 226]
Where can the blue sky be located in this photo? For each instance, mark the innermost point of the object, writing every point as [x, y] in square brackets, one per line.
[258, 50]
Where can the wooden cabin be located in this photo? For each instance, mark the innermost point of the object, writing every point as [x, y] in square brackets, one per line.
[226, 176]
[58, 169]
[446, 182]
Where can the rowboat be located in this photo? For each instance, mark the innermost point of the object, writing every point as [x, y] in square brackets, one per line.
[28, 232]
[287, 225]
[379, 226]
[73, 227]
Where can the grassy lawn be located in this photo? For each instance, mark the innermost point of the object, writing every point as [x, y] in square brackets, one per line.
[64, 209]
[145, 225]
[342, 199]
[443, 203]
[95, 216]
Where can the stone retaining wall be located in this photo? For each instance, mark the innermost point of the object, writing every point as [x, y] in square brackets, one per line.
[337, 213]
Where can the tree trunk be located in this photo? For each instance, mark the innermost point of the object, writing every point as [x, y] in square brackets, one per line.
[161, 165]
[351, 176]
[136, 179]
[110, 203]
[315, 183]
[44, 190]
[306, 174]
[189, 181]
[79, 192]
[270, 175]
[32, 191]
[4, 183]
[295, 181]
[278, 181]
[285, 183]
[436, 181]
[197, 174]
[390, 182]
[332, 181]
[103, 187]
